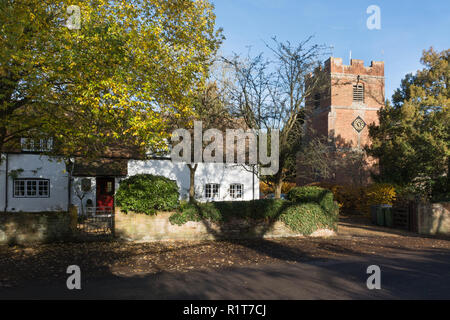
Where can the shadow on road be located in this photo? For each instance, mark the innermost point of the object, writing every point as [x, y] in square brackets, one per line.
[291, 273]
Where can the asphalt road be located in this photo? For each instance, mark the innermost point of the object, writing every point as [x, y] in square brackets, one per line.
[406, 275]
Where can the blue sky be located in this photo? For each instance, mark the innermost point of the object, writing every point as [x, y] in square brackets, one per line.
[407, 27]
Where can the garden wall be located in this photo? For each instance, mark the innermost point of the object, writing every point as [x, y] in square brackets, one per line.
[434, 218]
[141, 227]
[21, 228]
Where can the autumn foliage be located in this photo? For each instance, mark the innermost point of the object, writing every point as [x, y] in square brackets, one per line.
[128, 68]
[357, 199]
[265, 188]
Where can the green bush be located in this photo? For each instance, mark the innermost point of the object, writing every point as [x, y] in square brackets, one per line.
[440, 189]
[222, 211]
[304, 218]
[146, 193]
[321, 196]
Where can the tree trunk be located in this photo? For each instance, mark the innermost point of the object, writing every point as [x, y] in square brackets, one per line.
[278, 183]
[192, 169]
[277, 188]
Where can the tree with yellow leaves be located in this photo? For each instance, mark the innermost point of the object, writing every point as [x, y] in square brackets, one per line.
[85, 72]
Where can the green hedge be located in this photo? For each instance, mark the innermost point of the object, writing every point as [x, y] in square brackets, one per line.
[222, 211]
[303, 218]
[321, 196]
[306, 218]
[146, 193]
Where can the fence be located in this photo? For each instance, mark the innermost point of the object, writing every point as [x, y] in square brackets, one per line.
[405, 215]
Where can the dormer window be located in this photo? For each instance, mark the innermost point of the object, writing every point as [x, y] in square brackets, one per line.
[36, 145]
[358, 93]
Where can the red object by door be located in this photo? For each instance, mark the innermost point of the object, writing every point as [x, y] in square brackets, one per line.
[105, 193]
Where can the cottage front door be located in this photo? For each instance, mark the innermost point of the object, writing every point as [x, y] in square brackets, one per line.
[105, 193]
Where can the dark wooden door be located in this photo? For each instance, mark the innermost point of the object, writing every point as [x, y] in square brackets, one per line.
[105, 193]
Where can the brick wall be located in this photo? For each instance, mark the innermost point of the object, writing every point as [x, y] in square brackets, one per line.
[22, 228]
[141, 227]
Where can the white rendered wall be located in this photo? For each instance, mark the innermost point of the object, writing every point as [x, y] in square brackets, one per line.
[53, 169]
[79, 196]
[223, 174]
[36, 166]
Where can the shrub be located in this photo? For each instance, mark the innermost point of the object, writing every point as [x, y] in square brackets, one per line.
[344, 196]
[304, 218]
[222, 211]
[146, 193]
[287, 186]
[266, 189]
[318, 195]
[350, 198]
[380, 193]
[359, 199]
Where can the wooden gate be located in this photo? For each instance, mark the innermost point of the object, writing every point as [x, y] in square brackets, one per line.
[405, 215]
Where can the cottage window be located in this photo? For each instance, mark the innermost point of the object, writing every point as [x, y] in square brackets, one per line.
[212, 190]
[31, 188]
[236, 190]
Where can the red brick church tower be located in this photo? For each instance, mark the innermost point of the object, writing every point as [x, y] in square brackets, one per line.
[340, 111]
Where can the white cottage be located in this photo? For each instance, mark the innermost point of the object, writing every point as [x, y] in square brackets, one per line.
[32, 182]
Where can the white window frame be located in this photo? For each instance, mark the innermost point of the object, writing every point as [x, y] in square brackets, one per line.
[234, 191]
[213, 189]
[31, 188]
[38, 145]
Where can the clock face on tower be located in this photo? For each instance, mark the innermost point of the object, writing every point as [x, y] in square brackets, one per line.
[358, 124]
